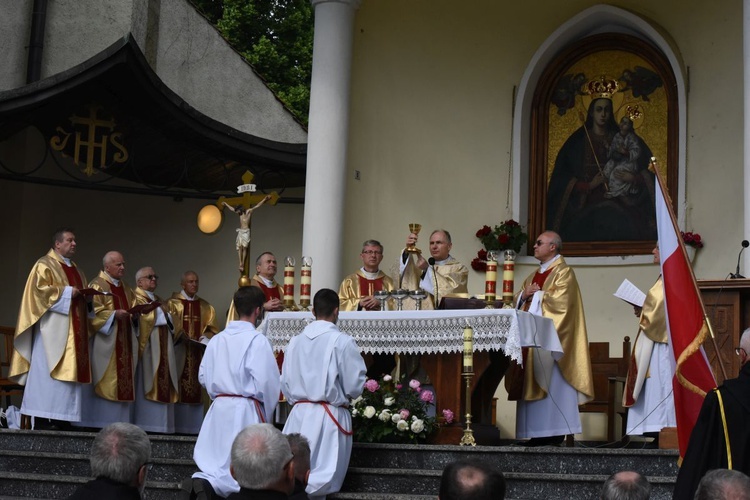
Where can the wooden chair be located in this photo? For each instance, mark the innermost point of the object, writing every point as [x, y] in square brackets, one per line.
[9, 388]
[604, 368]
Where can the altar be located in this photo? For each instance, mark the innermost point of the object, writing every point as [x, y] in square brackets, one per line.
[438, 336]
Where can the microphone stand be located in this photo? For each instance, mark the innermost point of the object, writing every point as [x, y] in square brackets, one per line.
[737, 274]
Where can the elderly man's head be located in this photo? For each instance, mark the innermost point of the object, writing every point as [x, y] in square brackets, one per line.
[471, 479]
[262, 459]
[626, 485]
[723, 484]
[121, 452]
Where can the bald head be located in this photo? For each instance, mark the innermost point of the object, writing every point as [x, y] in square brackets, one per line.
[114, 264]
[626, 485]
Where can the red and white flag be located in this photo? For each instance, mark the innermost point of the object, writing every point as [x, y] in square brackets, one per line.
[686, 323]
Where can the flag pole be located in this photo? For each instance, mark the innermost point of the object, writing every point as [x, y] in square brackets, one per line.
[681, 243]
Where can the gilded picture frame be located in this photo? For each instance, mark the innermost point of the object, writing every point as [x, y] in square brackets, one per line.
[600, 112]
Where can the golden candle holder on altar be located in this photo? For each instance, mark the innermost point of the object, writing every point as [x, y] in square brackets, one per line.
[509, 265]
[415, 229]
[305, 283]
[289, 264]
[468, 373]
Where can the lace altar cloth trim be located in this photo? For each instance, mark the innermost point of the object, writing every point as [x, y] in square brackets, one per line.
[417, 332]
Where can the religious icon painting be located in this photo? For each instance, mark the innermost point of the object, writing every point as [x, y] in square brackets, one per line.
[601, 111]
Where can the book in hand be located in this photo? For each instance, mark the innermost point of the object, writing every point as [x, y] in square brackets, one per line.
[144, 308]
[202, 342]
[88, 292]
[630, 293]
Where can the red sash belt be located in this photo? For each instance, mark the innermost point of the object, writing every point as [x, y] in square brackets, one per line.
[328, 411]
[258, 404]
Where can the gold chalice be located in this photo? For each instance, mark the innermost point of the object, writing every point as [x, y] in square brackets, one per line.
[414, 228]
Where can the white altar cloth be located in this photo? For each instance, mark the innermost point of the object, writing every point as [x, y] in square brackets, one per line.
[427, 332]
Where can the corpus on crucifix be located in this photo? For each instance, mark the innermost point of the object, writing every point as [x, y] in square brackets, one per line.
[244, 206]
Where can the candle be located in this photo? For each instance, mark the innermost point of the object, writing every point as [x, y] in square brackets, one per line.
[508, 269]
[490, 282]
[468, 349]
[289, 280]
[305, 279]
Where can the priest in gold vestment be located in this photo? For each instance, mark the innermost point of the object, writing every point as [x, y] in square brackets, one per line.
[114, 348]
[51, 344]
[549, 390]
[156, 375]
[648, 386]
[265, 279]
[357, 289]
[440, 276]
[194, 321]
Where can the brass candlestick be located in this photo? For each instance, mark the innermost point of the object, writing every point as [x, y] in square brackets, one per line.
[468, 438]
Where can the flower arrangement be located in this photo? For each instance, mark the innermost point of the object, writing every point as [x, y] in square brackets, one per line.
[391, 412]
[692, 239]
[508, 235]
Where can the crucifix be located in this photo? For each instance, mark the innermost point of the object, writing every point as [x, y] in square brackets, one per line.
[244, 206]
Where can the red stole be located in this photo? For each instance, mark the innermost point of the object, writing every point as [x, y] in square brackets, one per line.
[368, 287]
[271, 292]
[162, 379]
[190, 388]
[80, 327]
[515, 376]
[123, 347]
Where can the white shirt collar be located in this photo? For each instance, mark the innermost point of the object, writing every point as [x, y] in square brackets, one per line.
[545, 265]
[268, 283]
[185, 296]
[369, 275]
[112, 280]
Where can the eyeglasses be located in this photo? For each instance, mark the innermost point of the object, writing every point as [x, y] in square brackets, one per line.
[153, 277]
[539, 243]
[372, 252]
[148, 466]
[737, 351]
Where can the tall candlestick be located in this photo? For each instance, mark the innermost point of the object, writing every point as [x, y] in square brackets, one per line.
[468, 349]
[289, 282]
[305, 282]
[509, 265]
[490, 279]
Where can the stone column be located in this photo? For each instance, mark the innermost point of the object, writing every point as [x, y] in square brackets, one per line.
[745, 269]
[327, 140]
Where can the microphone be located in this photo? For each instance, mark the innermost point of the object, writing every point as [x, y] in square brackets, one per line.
[431, 262]
[737, 274]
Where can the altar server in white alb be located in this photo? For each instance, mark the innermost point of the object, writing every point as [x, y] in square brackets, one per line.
[648, 386]
[323, 370]
[240, 375]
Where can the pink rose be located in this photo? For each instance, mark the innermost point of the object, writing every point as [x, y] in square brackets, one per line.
[404, 413]
[372, 385]
[414, 384]
[427, 396]
[448, 416]
[398, 387]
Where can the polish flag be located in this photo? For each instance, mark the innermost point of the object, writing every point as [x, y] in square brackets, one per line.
[686, 323]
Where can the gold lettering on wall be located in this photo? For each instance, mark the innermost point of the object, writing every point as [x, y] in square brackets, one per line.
[91, 143]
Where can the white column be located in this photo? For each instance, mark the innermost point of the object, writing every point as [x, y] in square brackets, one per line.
[327, 140]
[746, 167]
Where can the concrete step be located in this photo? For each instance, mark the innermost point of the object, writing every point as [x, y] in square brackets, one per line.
[26, 485]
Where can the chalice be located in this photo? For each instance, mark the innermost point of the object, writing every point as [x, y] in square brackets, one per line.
[399, 295]
[414, 228]
[381, 296]
[418, 295]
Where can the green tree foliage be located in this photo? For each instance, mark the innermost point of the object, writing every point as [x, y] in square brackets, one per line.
[276, 37]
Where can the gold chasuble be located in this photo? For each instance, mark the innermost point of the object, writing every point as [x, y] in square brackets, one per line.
[450, 280]
[357, 285]
[67, 349]
[652, 326]
[562, 303]
[114, 356]
[653, 320]
[193, 319]
[156, 353]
